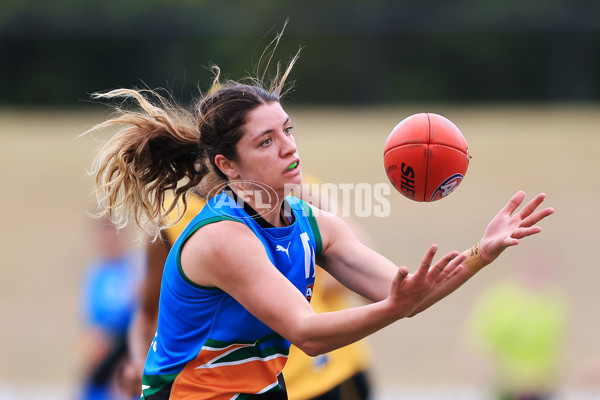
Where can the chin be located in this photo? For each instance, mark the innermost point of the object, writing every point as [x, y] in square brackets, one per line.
[299, 177]
[296, 180]
[290, 184]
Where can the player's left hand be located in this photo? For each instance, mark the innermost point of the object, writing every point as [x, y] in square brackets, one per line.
[508, 227]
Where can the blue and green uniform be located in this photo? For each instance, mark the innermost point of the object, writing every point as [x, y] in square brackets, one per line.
[207, 345]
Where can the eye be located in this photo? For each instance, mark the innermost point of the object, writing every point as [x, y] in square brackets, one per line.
[266, 142]
[288, 130]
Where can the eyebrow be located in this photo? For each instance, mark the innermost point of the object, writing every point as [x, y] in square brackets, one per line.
[267, 131]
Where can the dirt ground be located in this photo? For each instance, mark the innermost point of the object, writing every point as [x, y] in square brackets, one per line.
[45, 240]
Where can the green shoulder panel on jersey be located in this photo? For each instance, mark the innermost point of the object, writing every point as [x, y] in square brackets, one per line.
[313, 224]
[190, 233]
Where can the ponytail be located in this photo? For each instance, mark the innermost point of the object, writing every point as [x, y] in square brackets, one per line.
[155, 152]
[162, 152]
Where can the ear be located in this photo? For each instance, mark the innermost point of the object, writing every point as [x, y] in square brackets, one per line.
[226, 166]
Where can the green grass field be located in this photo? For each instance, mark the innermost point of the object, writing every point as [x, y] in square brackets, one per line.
[45, 239]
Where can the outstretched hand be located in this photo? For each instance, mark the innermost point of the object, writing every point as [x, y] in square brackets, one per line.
[409, 290]
[412, 293]
[508, 227]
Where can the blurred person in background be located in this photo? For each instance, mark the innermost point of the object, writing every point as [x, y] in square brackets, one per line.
[109, 298]
[519, 324]
[339, 375]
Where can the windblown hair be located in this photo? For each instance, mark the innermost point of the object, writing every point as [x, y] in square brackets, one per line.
[163, 149]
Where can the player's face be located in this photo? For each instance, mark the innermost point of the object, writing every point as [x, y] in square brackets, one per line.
[267, 151]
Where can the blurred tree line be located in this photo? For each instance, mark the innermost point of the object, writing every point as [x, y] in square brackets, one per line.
[353, 51]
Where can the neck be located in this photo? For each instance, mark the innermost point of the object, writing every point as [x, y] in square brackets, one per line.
[260, 202]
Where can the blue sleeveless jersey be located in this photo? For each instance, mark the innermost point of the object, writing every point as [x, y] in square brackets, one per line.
[207, 346]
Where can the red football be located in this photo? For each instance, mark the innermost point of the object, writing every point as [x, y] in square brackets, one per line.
[426, 157]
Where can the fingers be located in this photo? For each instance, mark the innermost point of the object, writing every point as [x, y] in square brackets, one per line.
[536, 217]
[443, 264]
[400, 276]
[514, 203]
[532, 205]
[442, 268]
[520, 233]
[425, 264]
[510, 241]
[447, 267]
[454, 272]
[530, 216]
[399, 279]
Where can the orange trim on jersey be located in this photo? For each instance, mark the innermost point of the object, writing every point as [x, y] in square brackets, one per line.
[206, 378]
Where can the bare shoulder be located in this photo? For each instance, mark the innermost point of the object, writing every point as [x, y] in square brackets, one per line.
[215, 249]
[217, 237]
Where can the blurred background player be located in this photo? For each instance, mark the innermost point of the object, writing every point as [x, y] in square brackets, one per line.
[520, 324]
[109, 299]
[339, 375]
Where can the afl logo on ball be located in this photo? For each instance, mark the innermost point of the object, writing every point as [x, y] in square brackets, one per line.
[446, 187]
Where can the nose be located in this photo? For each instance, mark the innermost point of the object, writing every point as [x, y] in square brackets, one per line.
[288, 145]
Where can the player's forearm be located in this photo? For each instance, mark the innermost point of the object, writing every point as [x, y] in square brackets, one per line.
[140, 336]
[443, 291]
[325, 332]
